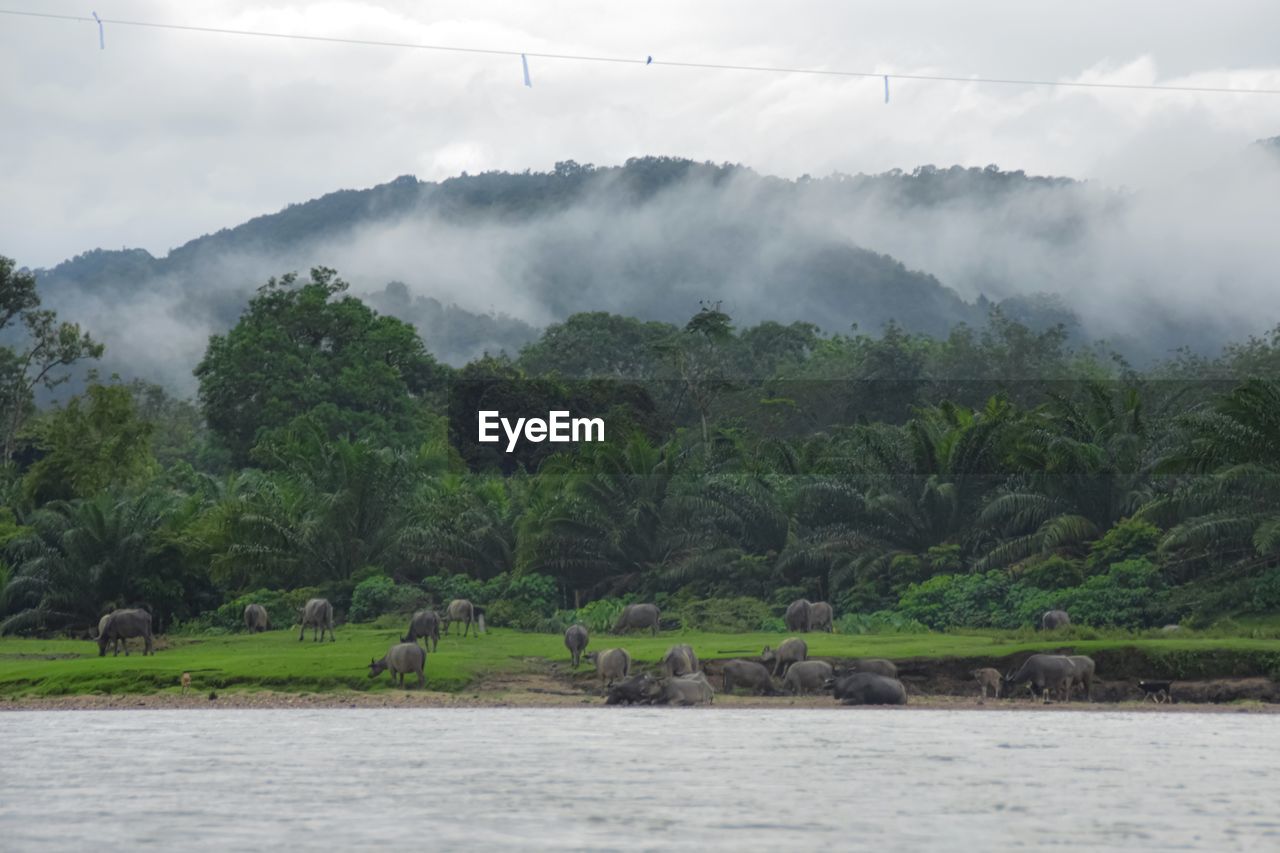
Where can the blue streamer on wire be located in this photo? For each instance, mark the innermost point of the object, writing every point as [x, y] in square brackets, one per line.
[649, 61]
[524, 62]
[102, 39]
[886, 88]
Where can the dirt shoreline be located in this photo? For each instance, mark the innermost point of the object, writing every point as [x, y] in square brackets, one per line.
[537, 697]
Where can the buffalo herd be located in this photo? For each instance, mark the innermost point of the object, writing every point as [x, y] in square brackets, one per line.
[681, 678]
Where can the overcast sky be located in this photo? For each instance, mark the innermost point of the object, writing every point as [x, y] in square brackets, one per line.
[165, 135]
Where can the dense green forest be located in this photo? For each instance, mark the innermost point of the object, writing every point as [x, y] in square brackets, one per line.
[972, 478]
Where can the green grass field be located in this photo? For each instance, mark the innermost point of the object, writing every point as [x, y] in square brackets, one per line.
[277, 661]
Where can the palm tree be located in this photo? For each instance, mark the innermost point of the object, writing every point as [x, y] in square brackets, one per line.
[1082, 465]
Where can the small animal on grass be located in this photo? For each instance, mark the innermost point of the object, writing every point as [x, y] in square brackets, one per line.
[576, 639]
[988, 679]
[639, 616]
[317, 615]
[402, 659]
[425, 624]
[186, 682]
[789, 651]
[463, 612]
[1156, 691]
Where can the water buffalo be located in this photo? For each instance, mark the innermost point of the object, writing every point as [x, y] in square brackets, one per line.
[748, 673]
[575, 640]
[680, 660]
[1045, 673]
[636, 690]
[425, 624]
[790, 651]
[821, 616]
[686, 690]
[879, 666]
[463, 611]
[611, 664]
[1053, 619]
[317, 615]
[807, 676]
[867, 688]
[988, 679]
[402, 659]
[256, 619]
[637, 616]
[799, 615]
[120, 625]
[1082, 673]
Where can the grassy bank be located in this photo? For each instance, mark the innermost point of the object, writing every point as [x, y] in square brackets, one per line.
[277, 661]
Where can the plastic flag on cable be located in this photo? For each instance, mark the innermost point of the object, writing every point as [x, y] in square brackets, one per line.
[886, 88]
[524, 62]
[102, 39]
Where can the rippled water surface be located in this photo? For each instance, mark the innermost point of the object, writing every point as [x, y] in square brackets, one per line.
[613, 779]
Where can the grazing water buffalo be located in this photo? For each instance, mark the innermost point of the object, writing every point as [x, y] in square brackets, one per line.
[637, 616]
[867, 688]
[636, 690]
[821, 616]
[799, 615]
[575, 640]
[791, 650]
[120, 625]
[425, 624]
[687, 690]
[1083, 668]
[748, 673]
[879, 666]
[1054, 619]
[1045, 673]
[317, 615]
[680, 660]
[988, 679]
[611, 664]
[256, 619]
[807, 676]
[402, 659]
[463, 611]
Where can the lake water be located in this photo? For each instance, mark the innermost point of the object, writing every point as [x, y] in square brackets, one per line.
[637, 779]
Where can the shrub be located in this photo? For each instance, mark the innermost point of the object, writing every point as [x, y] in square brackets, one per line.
[379, 595]
[282, 607]
[880, 622]
[1129, 539]
[724, 615]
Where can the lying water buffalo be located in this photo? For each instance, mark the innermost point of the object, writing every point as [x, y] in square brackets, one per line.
[1053, 619]
[799, 615]
[879, 666]
[791, 650]
[119, 626]
[256, 619]
[867, 688]
[462, 611]
[988, 679]
[1082, 672]
[425, 624]
[1045, 673]
[686, 690]
[749, 674]
[317, 615]
[637, 616]
[402, 659]
[575, 640]
[807, 676]
[636, 690]
[821, 616]
[611, 664]
[680, 660]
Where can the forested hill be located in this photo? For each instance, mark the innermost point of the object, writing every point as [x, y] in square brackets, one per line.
[481, 262]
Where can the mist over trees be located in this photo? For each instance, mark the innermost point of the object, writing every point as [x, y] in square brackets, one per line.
[973, 477]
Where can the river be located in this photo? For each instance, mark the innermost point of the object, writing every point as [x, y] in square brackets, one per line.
[536, 779]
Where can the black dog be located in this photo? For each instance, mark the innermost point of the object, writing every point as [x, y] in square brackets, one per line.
[1157, 691]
